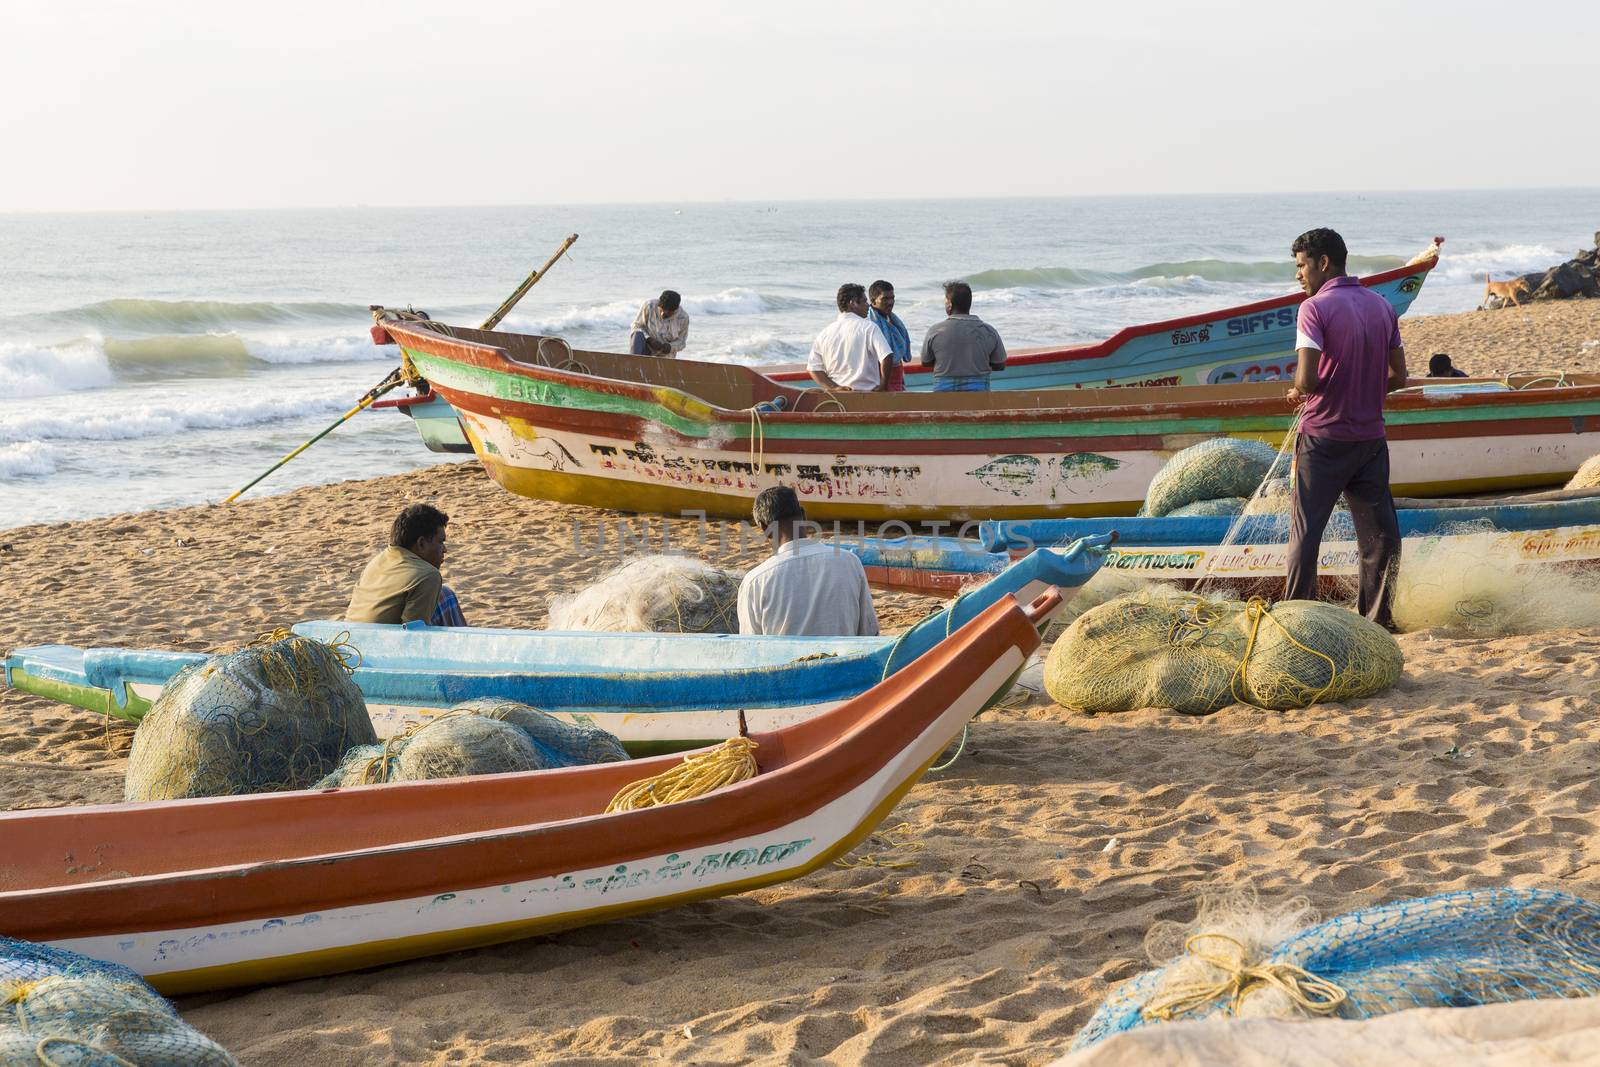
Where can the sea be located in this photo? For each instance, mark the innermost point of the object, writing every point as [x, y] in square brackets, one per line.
[153, 360]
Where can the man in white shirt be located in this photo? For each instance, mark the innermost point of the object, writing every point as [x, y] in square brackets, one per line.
[661, 328]
[850, 354]
[807, 588]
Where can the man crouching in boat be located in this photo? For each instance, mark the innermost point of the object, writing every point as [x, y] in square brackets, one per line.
[808, 588]
[403, 583]
[1348, 342]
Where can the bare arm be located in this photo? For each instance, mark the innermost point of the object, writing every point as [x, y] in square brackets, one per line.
[1397, 369]
[822, 379]
[1305, 372]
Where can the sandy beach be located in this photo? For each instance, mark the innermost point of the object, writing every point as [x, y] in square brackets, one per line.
[1015, 888]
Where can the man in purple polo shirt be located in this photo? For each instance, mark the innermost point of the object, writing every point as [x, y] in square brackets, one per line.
[1348, 341]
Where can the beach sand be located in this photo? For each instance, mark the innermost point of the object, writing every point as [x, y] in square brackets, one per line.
[1027, 873]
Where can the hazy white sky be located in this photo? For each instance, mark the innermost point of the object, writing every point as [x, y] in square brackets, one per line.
[169, 104]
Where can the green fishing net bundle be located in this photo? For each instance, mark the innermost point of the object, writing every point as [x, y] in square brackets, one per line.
[261, 720]
[60, 1009]
[654, 594]
[1211, 470]
[1163, 648]
[483, 736]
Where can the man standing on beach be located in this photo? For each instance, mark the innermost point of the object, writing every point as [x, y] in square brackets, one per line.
[963, 349]
[807, 588]
[881, 314]
[403, 583]
[1348, 342]
[661, 328]
[850, 353]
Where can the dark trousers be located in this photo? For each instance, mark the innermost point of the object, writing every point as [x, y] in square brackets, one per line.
[639, 343]
[1324, 469]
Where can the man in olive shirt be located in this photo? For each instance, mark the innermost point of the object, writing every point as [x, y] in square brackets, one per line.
[963, 349]
[402, 583]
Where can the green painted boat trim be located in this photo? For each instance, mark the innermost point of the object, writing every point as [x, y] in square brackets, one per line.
[516, 389]
[80, 696]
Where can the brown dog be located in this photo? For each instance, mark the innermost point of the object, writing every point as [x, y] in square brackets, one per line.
[1508, 292]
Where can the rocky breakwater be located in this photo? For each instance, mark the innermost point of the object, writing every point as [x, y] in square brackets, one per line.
[1577, 278]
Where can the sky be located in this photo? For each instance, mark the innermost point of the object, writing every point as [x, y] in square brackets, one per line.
[174, 105]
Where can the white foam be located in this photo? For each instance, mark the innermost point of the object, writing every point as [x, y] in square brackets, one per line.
[619, 313]
[287, 348]
[755, 349]
[132, 422]
[43, 370]
[26, 459]
[1502, 261]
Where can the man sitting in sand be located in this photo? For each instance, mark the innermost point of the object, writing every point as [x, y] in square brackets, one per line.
[1348, 341]
[807, 588]
[661, 328]
[963, 349]
[1439, 366]
[850, 353]
[403, 583]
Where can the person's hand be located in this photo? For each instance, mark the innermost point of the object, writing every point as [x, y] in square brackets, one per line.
[1295, 397]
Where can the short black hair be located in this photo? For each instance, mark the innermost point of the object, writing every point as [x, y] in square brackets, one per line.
[778, 504]
[878, 288]
[1322, 242]
[960, 296]
[414, 523]
[670, 300]
[1439, 363]
[848, 294]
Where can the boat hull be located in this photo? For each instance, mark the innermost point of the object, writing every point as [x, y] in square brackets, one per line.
[204, 894]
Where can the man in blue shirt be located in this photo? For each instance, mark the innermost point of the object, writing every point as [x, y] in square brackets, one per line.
[881, 314]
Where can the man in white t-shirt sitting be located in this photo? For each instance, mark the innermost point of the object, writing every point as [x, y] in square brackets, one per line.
[808, 588]
[851, 353]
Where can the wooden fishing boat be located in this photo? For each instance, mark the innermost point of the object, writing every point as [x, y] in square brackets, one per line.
[209, 893]
[681, 437]
[655, 692]
[1249, 343]
[1559, 530]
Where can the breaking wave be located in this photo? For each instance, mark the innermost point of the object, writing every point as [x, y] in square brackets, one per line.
[618, 314]
[1214, 270]
[135, 421]
[132, 315]
[26, 459]
[39, 370]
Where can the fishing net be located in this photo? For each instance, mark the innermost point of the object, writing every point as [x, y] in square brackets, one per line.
[1456, 950]
[264, 719]
[60, 1009]
[1228, 505]
[1473, 584]
[663, 594]
[1588, 476]
[1163, 648]
[1211, 470]
[476, 737]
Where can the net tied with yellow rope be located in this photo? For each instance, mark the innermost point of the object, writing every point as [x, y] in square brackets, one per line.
[700, 773]
[1307, 992]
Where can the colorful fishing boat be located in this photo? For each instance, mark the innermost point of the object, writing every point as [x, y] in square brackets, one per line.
[1559, 530]
[1250, 343]
[209, 893]
[656, 692]
[681, 437]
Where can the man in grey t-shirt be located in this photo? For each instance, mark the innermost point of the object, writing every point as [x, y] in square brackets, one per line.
[963, 349]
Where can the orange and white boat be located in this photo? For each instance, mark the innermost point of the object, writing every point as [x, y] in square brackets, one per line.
[217, 892]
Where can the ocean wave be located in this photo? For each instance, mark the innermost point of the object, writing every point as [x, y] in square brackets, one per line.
[42, 370]
[135, 421]
[1213, 270]
[26, 459]
[756, 349]
[619, 314]
[133, 315]
[1502, 261]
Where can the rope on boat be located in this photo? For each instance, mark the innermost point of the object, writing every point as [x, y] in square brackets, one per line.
[700, 773]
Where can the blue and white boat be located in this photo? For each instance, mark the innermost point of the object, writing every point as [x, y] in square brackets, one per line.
[656, 692]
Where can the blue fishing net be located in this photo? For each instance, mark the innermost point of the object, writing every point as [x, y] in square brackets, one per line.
[60, 1009]
[1455, 950]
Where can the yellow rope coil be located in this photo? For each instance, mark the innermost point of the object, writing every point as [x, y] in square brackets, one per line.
[1312, 995]
[1256, 610]
[729, 763]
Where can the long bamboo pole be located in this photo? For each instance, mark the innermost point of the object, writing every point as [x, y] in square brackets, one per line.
[395, 377]
[527, 283]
